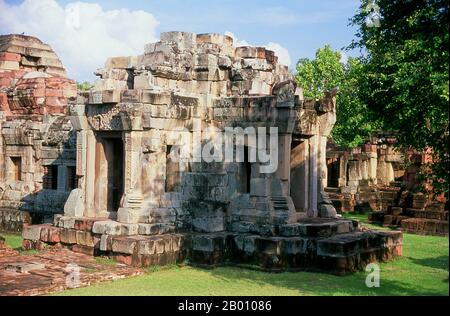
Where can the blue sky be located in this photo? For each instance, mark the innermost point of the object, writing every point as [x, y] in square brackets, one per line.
[300, 26]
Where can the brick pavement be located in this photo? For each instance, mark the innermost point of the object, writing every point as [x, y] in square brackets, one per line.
[58, 273]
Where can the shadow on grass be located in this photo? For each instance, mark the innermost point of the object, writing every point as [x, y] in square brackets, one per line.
[316, 283]
[440, 262]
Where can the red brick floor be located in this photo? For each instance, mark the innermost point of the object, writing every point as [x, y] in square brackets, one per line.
[56, 276]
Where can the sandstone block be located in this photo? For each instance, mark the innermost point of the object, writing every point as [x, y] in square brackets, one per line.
[123, 245]
[105, 243]
[147, 246]
[130, 229]
[85, 238]
[32, 232]
[68, 236]
[246, 52]
[51, 234]
[9, 65]
[6, 56]
[107, 227]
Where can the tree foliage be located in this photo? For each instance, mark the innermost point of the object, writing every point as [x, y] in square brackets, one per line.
[84, 86]
[405, 80]
[353, 121]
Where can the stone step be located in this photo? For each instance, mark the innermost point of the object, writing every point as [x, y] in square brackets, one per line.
[345, 245]
[417, 213]
[424, 226]
[279, 203]
[317, 228]
[332, 190]
[345, 251]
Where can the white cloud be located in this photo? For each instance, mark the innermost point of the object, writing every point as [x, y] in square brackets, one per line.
[282, 52]
[235, 40]
[83, 34]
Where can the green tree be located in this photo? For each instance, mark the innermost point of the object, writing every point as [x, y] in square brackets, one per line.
[325, 72]
[405, 80]
[84, 86]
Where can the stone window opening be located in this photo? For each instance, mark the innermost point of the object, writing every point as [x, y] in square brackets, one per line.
[50, 178]
[72, 180]
[16, 170]
[245, 172]
[247, 169]
[347, 174]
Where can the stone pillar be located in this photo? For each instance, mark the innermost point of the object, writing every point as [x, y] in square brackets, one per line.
[284, 165]
[28, 165]
[130, 210]
[342, 172]
[354, 175]
[373, 167]
[322, 162]
[81, 158]
[133, 149]
[364, 170]
[313, 176]
[75, 205]
[90, 174]
[101, 180]
[300, 175]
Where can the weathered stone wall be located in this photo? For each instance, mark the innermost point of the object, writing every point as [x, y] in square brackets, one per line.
[37, 142]
[366, 178]
[13, 220]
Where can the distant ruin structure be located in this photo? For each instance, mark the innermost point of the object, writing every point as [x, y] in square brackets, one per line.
[37, 146]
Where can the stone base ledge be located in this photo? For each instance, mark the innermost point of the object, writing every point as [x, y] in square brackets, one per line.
[341, 253]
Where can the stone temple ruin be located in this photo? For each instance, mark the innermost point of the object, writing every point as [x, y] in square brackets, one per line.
[37, 147]
[184, 97]
[378, 179]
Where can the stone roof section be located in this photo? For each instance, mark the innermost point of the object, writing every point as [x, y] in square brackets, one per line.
[195, 64]
[28, 53]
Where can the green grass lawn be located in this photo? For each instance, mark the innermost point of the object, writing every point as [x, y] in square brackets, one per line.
[13, 240]
[423, 270]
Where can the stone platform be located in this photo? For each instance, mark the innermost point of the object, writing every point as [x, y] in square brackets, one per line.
[335, 246]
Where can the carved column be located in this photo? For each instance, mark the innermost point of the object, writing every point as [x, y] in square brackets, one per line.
[313, 176]
[90, 173]
[322, 161]
[130, 210]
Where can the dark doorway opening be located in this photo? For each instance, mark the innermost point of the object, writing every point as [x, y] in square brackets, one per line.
[333, 172]
[115, 173]
[50, 178]
[248, 169]
[16, 168]
[109, 167]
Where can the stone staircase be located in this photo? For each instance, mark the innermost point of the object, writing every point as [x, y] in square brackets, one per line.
[279, 203]
[414, 215]
[367, 199]
[337, 246]
[432, 220]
